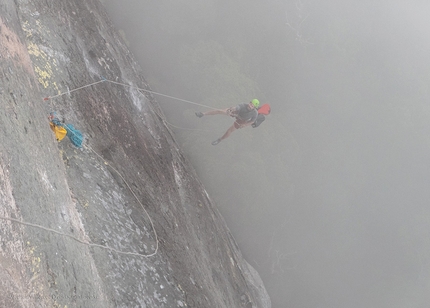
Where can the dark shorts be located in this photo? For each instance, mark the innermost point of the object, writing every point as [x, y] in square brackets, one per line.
[238, 123]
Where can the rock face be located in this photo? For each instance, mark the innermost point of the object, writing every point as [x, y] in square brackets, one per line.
[122, 221]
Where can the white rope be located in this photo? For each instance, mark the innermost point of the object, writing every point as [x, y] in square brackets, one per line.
[140, 89]
[97, 245]
[74, 238]
[130, 86]
[70, 91]
[164, 95]
[137, 199]
[134, 195]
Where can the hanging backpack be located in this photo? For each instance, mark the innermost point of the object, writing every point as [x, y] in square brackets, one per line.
[262, 111]
[61, 130]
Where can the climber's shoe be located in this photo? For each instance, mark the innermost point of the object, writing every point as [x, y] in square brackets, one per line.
[216, 142]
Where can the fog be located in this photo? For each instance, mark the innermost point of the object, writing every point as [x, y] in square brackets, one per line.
[329, 198]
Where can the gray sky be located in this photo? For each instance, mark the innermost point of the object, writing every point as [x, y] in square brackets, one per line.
[348, 222]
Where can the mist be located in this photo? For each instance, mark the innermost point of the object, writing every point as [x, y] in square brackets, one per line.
[329, 198]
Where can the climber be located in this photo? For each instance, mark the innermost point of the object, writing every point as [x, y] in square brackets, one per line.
[245, 115]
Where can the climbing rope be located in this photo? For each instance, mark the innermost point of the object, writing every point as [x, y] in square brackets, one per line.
[137, 199]
[92, 244]
[156, 93]
[139, 89]
[97, 245]
[130, 86]
[134, 195]
[76, 239]
[70, 91]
